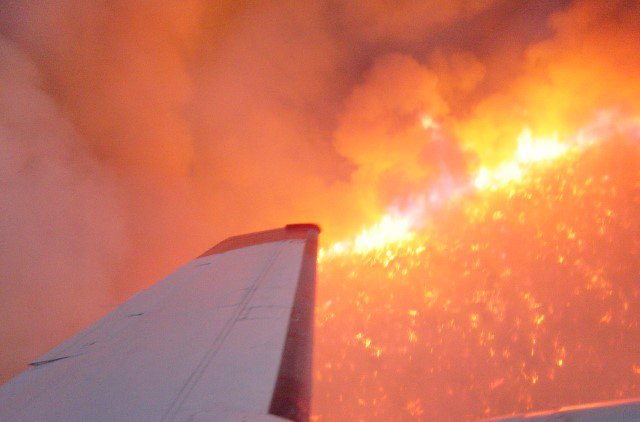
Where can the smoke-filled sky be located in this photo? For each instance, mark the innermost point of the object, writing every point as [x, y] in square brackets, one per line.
[136, 134]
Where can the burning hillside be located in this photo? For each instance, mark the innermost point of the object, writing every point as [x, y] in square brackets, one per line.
[521, 297]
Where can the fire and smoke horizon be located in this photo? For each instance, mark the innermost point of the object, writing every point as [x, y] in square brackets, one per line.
[474, 166]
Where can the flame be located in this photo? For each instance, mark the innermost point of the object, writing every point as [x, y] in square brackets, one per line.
[396, 228]
[531, 150]
[390, 230]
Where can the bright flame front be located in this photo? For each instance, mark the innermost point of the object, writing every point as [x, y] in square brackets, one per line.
[531, 150]
[397, 228]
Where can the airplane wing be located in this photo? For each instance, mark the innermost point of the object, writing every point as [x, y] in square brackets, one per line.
[613, 411]
[228, 336]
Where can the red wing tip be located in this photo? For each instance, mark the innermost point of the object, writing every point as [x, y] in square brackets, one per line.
[290, 231]
[305, 226]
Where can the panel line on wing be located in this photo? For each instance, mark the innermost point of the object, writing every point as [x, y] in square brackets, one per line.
[218, 341]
